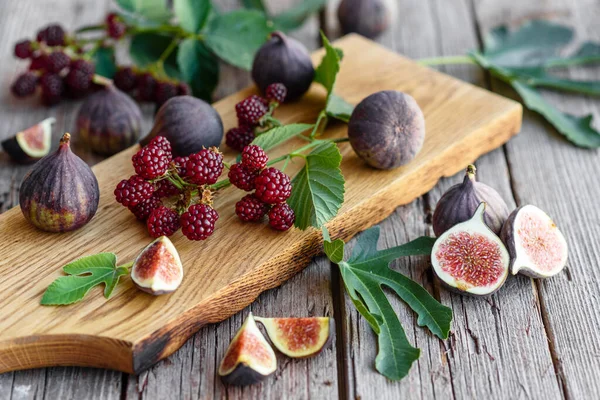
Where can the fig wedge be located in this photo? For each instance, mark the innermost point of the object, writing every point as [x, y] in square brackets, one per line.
[157, 269]
[32, 144]
[299, 337]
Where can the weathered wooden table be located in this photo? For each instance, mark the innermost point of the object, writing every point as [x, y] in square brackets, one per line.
[533, 339]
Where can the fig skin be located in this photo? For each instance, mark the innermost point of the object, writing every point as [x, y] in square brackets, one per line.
[387, 129]
[190, 124]
[460, 202]
[109, 121]
[369, 18]
[60, 193]
[157, 269]
[242, 372]
[325, 329]
[283, 60]
[508, 237]
[22, 151]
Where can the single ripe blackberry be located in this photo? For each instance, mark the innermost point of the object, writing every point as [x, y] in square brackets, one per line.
[181, 165]
[254, 157]
[163, 92]
[142, 210]
[115, 27]
[163, 221]
[238, 138]
[183, 89]
[164, 188]
[57, 61]
[163, 143]
[198, 222]
[25, 84]
[146, 86]
[79, 78]
[133, 191]
[53, 88]
[52, 35]
[151, 162]
[250, 110]
[250, 208]
[281, 217]
[276, 92]
[205, 166]
[23, 49]
[125, 79]
[38, 63]
[242, 177]
[273, 186]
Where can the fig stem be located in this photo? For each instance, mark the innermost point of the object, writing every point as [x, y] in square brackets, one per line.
[126, 265]
[446, 60]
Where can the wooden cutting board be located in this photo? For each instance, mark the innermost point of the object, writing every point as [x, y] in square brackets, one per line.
[225, 273]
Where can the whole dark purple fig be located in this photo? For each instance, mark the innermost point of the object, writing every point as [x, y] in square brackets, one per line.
[60, 193]
[190, 124]
[365, 17]
[460, 202]
[109, 121]
[283, 60]
[387, 129]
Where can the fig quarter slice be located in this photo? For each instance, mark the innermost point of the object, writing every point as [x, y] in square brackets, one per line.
[299, 337]
[157, 269]
[31, 144]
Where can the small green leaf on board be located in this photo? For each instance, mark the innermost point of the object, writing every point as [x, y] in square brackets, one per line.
[279, 134]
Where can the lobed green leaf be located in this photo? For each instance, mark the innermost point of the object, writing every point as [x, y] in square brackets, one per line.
[329, 67]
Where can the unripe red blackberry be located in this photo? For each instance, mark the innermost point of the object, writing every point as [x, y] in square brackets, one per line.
[133, 191]
[281, 217]
[52, 35]
[205, 166]
[23, 49]
[53, 88]
[183, 89]
[25, 84]
[242, 177]
[254, 157]
[250, 208]
[181, 165]
[146, 86]
[143, 210]
[250, 110]
[163, 143]
[125, 79]
[57, 61]
[164, 188]
[273, 186]
[151, 162]
[238, 138]
[115, 27]
[163, 221]
[276, 92]
[198, 222]
[164, 91]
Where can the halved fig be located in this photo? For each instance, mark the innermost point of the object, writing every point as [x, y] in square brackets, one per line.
[299, 337]
[536, 246]
[249, 358]
[157, 269]
[470, 258]
[32, 144]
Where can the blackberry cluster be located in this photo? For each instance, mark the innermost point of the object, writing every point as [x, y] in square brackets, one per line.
[254, 114]
[144, 86]
[115, 26]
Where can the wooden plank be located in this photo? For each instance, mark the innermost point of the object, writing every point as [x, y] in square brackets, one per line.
[479, 360]
[562, 179]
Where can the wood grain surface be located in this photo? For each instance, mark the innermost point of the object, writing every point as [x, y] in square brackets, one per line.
[134, 330]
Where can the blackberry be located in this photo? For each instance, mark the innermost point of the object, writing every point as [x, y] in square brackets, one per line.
[163, 92]
[38, 63]
[133, 191]
[146, 85]
[205, 166]
[250, 208]
[142, 210]
[276, 92]
[24, 85]
[198, 222]
[250, 110]
[254, 157]
[181, 165]
[23, 49]
[53, 88]
[183, 89]
[57, 61]
[164, 188]
[84, 66]
[163, 143]
[115, 27]
[273, 186]
[151, 162]
[125, 79]
[238, 138]
[242, 177]
[163, 221]
[52, 35]
[79, 78]
[281, 217]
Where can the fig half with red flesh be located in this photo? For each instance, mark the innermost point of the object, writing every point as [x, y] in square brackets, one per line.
[470, 258]
[536, 246]
[249, 358]
[32, 144]
[157, 269]
[299, 337]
